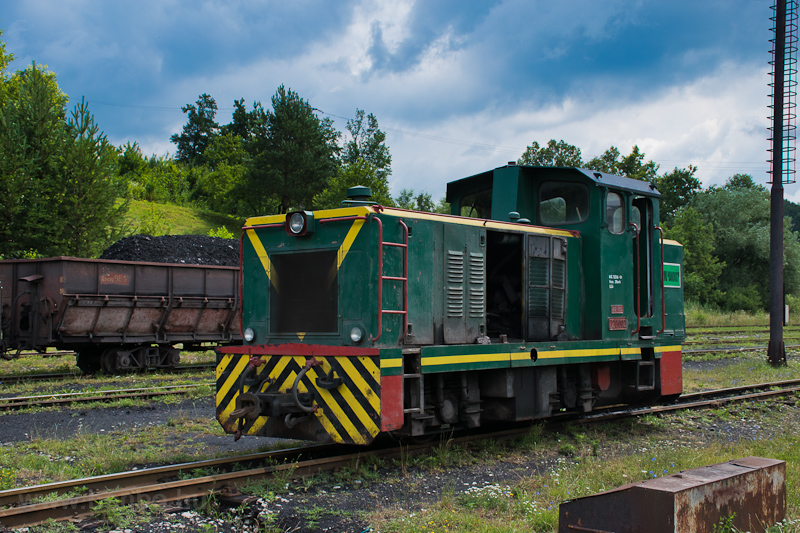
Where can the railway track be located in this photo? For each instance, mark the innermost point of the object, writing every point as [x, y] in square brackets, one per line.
[69, 398]
[25, 506]
[17, 378]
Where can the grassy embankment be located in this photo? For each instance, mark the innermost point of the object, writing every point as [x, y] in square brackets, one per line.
[167, 219]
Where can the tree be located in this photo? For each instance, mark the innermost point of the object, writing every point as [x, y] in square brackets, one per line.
[54, 168]
[32, 135]
[198, 131]
[408, 199]
[743, 181]
[631, 166]
[223, 187]
[368, 143]
[741, 226]
[295, 155]
[702, 269]
[555, 154]
[677, 189]
[350, 175]
[88, 189]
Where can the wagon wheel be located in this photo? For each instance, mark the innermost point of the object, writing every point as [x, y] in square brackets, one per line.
[108, 361]
[88, 359]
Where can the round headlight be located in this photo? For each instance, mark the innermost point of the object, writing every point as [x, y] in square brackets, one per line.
[356, 334]
[296, 223]
[249, 334]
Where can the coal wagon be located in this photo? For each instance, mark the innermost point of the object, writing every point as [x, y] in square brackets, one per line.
[116, 315]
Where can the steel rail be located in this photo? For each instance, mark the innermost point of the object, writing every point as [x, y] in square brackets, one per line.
[733, 350]
[16, 378]
[22, 402]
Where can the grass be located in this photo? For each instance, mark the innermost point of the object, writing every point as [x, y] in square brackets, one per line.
[634, 452]
[697, 315]
[169, 219]
[745, 368]
[45, 460]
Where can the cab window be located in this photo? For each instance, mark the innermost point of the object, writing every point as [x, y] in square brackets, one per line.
[563, 202]
[615, 213]
[477, 205]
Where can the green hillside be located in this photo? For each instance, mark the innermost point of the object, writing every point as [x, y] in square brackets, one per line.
[167, 219]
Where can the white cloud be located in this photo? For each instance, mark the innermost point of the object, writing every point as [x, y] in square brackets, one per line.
[716, 123]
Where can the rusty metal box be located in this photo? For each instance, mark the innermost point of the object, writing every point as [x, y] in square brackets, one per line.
[693, 501]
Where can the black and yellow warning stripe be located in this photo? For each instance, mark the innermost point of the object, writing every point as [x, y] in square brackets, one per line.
[350, 413]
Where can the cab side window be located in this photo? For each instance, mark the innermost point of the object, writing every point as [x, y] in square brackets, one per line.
[615, 213]
[563, 203]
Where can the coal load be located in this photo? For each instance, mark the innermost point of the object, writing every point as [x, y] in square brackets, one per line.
[179, 249]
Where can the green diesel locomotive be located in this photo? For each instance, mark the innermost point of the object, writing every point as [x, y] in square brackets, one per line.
[547, 290]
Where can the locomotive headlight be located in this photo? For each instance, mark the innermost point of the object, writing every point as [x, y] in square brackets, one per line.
[356, 334]
[296, 223]
[249, 334]
[299, 223]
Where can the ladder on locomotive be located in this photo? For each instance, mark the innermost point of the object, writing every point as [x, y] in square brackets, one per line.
[402, 279]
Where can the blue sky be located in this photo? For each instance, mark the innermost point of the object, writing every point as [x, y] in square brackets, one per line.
[459, 86]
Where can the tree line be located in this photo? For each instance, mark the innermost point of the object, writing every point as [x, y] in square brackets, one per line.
[65, 190]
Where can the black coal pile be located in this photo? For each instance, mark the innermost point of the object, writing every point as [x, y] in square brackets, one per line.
[186, 249]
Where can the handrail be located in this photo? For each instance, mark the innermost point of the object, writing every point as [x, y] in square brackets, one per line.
[638, 275]
[663, 304]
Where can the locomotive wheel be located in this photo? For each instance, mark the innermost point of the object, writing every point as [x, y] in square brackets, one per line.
[88, 360]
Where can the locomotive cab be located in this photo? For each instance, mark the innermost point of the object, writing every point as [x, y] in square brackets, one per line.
[621, 241]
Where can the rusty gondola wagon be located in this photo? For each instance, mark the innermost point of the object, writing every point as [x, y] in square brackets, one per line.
[116, 315]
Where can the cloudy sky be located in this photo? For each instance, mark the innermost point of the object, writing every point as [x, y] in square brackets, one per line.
[459, 86]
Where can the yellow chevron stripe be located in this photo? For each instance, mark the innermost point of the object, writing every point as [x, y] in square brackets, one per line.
[329, 427]
[233, 377]
[355, 405]
[262, 255]
[334, 406]
[371, 367]
[324, 213]
[361, 384]
[226, 412]
[348, 241]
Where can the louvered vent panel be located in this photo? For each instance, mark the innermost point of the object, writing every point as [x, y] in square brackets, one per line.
[559, 303]
[538, 303]
[455, 284]
[539, 267]
[559, 274]
[477, 285]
